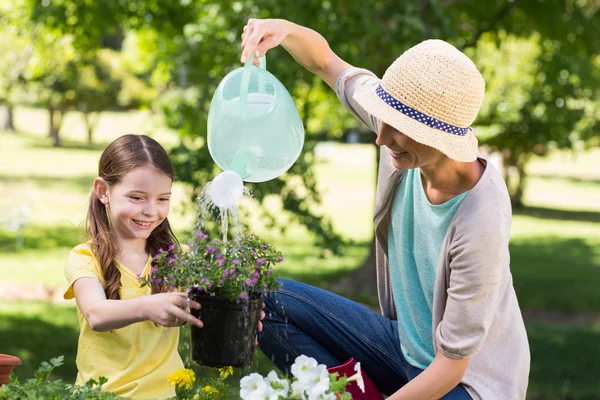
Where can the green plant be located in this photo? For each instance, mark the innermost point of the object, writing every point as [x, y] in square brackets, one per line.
[235, 270]
[41, 387]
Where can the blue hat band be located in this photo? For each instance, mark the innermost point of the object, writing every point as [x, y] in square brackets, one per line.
[419, 116]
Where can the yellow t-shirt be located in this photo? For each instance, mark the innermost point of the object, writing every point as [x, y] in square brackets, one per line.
[135, 359]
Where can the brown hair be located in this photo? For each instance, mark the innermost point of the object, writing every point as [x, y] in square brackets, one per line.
[120, 157]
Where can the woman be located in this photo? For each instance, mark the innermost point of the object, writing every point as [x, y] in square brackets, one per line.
[451, 326]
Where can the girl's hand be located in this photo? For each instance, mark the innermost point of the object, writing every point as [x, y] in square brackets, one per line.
[259, 328]
[261, 35]
[171, 309]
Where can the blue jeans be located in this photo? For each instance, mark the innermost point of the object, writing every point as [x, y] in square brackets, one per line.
[302, 319]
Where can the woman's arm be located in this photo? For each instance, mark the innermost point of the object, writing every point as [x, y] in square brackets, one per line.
[166, 309]
[442, 375]
[307, 47]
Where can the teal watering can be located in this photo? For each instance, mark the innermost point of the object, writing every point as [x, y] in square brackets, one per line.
[255, 133]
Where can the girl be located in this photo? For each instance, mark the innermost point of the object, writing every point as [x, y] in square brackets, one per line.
[451, 326]
[128, 333]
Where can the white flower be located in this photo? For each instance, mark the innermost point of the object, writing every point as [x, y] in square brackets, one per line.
[358, 377]
[318, 383]
[302, 366]
[324, 396]
[298, 389]
[283, 385]
[268, 394]
[252, 387]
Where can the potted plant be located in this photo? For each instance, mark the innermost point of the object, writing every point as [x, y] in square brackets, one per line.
[7, 364]
[229, 279]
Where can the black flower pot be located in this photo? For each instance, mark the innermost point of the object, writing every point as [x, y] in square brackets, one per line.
[227, 337]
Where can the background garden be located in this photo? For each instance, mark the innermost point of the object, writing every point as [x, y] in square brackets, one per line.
[75, 75]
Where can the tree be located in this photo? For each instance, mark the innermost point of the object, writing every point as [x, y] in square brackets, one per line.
[17, 35]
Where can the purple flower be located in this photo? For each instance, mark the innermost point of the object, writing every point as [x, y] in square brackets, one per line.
[232, 271]
[201, 235]
[171, 247]
[158, 281]
[248, 282]
[269, 271]
[242, 296]
[254, 254]
[219, 256]
[221, 263]
[235, 262]
[210, 250]
[280, 259]
[261, 261]
[203, 280]
[171, 260]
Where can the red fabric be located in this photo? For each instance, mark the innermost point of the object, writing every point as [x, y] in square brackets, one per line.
[371, 391]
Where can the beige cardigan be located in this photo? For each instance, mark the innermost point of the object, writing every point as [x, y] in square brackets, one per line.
[475, 310]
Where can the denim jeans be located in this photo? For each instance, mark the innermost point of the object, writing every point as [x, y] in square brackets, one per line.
[302, 319]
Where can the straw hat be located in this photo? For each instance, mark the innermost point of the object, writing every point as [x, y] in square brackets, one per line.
[431, 93]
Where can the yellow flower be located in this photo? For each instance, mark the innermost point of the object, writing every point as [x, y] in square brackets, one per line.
[183, 377]
[226, 371]
[210, 390]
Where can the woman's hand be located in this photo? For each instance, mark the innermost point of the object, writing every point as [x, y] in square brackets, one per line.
[171, 309]
[261, 35]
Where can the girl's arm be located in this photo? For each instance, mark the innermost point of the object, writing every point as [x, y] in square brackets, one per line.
[307, 47]
[166, 309]
[442, 375]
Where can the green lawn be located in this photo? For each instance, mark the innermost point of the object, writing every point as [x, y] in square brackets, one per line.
[555, 244]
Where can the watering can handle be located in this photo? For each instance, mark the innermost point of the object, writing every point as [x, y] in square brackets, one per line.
[262, 60]
[246, 81]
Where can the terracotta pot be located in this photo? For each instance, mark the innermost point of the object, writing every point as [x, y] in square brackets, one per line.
[7, 364]
[371, 392]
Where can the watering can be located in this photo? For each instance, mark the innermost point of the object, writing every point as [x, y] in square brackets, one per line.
[255, 133]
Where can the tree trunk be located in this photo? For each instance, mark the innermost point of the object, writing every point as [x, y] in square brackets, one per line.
[55, 123]
[363, 280]
[517, 197]
[89, 126]
[6, 118]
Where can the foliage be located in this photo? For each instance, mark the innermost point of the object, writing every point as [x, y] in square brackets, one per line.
[212, 387]
[542, 97]
[310, 381]
[235, 270]
[41, 387]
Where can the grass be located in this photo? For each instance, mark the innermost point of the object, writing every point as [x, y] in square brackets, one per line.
[555, 243]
